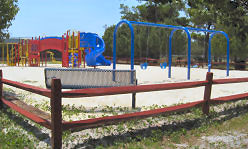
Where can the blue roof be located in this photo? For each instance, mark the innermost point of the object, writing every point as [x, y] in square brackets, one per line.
[54, 37]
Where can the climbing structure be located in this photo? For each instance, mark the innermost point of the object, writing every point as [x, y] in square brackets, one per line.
[75, 48]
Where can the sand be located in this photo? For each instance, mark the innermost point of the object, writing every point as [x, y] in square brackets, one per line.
[152, 75]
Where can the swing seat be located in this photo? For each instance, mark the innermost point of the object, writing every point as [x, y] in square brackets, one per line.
[163, 65]
[195, 66]
[144, 65]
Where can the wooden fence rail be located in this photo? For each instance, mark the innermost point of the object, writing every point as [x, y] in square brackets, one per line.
[54, 122]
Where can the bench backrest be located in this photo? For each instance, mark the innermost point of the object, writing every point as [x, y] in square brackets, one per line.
[78, 78]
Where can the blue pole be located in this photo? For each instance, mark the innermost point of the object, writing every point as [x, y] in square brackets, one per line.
[155, 25]
[227, 55]
[189, 52]
[209, 52]
[132, 46]
[227, 51]
[170, 53]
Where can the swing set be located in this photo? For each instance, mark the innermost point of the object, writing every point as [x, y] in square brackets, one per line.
[175, 28]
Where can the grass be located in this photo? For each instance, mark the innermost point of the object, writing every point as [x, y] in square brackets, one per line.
[189, 134]
[190, 129]
[17, 132]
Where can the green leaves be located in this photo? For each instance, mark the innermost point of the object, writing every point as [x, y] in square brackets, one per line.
[8, 10]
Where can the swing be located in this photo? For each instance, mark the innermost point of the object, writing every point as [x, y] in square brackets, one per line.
[163, 65]
[144, 65]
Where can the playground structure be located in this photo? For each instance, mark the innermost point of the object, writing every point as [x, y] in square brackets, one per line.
[15, 53]
[74, 47]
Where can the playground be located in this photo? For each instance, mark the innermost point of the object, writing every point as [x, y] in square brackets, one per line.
[85, 78]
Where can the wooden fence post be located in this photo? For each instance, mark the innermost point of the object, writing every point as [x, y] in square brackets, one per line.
[1, 89]
[207, 93]
[56, 114]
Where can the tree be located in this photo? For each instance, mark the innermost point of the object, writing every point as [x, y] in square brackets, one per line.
[160, 11]
[8, 10]
[227, 15]
[149, 42]
[202, 15]
[233, 19]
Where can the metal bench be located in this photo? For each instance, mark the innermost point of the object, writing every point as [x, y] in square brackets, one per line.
[78, 78]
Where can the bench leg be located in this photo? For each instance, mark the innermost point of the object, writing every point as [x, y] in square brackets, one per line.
[133, 100]
[134, 97]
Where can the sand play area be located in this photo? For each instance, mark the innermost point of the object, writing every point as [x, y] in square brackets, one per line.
[152, 75]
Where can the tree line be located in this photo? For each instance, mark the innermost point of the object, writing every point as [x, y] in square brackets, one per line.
[230, 16]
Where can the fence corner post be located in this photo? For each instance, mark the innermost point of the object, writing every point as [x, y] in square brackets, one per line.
[207, 93]
[1, 89]
[56, 114]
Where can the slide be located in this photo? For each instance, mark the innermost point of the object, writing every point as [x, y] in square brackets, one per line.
[95, 48]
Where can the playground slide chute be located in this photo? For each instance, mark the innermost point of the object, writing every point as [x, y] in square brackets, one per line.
[96, 47]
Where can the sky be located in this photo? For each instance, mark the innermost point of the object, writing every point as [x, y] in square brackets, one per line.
[54, 17]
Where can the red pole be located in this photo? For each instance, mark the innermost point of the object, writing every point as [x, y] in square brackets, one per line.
[84, 57]
[45, 59]
[15, 53]
[18, 56]
[22, 45]
[73, 46]
[67, 49]
[64, 55]
[1, 89]
[41, 54]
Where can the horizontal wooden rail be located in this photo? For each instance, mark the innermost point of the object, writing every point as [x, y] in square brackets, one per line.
[232, 80]
[28, 114]
[229, 98]
[30, 88]
[110, 120]
[130, 89]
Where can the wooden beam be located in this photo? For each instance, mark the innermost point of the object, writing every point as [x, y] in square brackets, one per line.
[110, 120]
[56, 114]
[227, 81]
[130, 89]
[30, 88]
[207, 93]
[230, 98]
[32, 113]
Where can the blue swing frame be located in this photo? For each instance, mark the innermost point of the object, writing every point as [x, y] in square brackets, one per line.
[175, 28]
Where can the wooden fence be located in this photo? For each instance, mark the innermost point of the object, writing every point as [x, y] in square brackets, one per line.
[54, 120]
